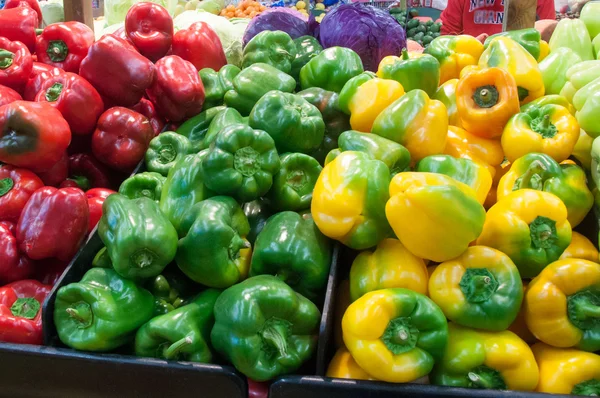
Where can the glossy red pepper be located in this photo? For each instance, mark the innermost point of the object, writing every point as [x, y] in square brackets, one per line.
[117, 71]
[21, 311]
[15, 64]
[200, 45]
[14, 266]
[86, 172]
[177, 92]
[19, 24]
[258, 389]
[146, 108]
[16, 187]
[121, 138]
[150, 28]
[53, 224]
[8, 95]
[49, 271]
[57, 173]
[96, 198]
[33, 4]
[39, 74]
[33, 135]
[64, 45]
[121, 34]
[75, 98]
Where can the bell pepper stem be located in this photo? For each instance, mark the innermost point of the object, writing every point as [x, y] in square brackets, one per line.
[25, 307]
[274, 336]
[532, 178]
[583, 309]
[166, 154]
[486, 96]
[6, 184]
[57, 50]
[246, 161]
[82, 182]
[400, 335]
[82, 313]
[6, 59]
[486, 378]
[175, 348]
[39, 31]
[544, 127]
[143, 258]
[54, 92]
[542, 231]
[478, 284]
[405, 55]
[590, 388]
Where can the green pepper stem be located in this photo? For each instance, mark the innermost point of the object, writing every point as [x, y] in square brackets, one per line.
[175, 348]
[6, 184]
[25, 307]
[405, 55]
[39, 31]
[57, 50]
[478, 380]
[588, 309]
[73, 313]
[485, 377]
[478, 284]
[275, 337]
[6, 59]
[532, 178]
[590, 388]
[54, 92]
[486, 96]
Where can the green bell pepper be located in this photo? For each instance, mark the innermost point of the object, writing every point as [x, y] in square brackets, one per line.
[102, 311]
[307, 47]
[587, 103]
[294, 182]
[102, 259]
[241, 163]
[143, 185]
[590, 15]
[225, 118]
[446, 94]
[272, 331]
[395, 156]
[165, 150]
[275, 48]
[254, 82]
[572, 33]
[528, 38]
[213, 250]
[257, 212]
[579, 76]
[420, 72]
[216, 84]
[139, 239]
[596, 44]
[331, 69]
[291, 247]
[183, 188]
[350, 88]
[554, 69]
[336, 121]
[195, 128]
[182, 334]
[294, 124]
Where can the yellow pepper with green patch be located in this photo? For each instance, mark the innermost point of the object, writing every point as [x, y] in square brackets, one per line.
[580, 247]
[343, 366]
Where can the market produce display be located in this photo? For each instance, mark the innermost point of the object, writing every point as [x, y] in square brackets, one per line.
[222, 169]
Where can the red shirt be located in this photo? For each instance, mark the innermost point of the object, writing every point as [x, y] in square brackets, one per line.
[474, 17]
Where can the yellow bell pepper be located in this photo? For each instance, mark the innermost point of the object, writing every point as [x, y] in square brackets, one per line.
[549, 129]
[494, 360]
[529, 226]
[483, 151]
[454, 53]
[343, 366]
[446, 94]
[370, 99]
[583, 150]
[434, 216]
[509, 55]
[390, 265]
[342, 301]
[562, 305]
[580, 247]
[485, 100]
[395, 335]
[519, 326]
[544, 50]
[567, 371]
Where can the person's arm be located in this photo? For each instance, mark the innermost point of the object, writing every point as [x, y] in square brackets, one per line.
[452, 18]
[546, 10]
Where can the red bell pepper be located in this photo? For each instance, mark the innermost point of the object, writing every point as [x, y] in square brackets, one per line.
[21, 311]
[53, 224]
[57, 173]
[117, 71]
[75, 98]
[64, 45]
[146, 108]
[14, 266]
[19, 24]
[33, 135]
[16, 187]
[258, 389]
[8, 95]
[150, 28]
[86, 172]
[50, 270]
[200, 45]
[121, 138]
[39, 74]
[33, 4]
[96, 198]
[15, 64]
[178, 92]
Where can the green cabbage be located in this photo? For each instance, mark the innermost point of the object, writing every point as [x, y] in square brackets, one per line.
[209, 6]
[116, 10]
[52, 12]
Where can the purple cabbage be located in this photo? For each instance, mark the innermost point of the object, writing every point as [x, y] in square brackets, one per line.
[372, 33]
[285, 19]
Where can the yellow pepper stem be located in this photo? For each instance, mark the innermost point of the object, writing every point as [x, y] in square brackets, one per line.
[583, 309]
[478, 284]
[590, 388]
[400, 335]
[275, 335]
[486, 96]
[486, 378]
[532, 178]
[543, 127]
[543, 233]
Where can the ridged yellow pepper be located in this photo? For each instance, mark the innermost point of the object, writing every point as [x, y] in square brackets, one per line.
[567, 371]
[370, 99]
[462, 144]
[493, 360]
[446, 94]
[519, 326]
[454, 53]
[562, 305]
[349, 198]
[544, 50]
[343, 366]
[549, 129]
[529, 226]
[580, 247]
[507, 54]
[434, 216]
[390, 265]
[583, 150]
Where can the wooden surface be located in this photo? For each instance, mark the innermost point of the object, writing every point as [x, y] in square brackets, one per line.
[519, 14]
[79, 10]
